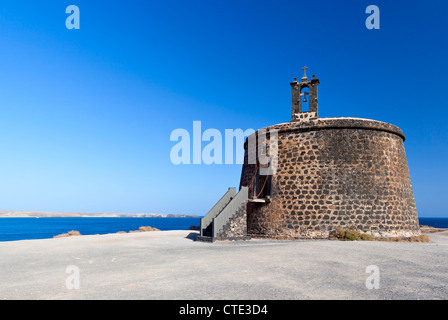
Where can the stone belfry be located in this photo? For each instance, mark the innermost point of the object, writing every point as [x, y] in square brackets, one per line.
[304, 92]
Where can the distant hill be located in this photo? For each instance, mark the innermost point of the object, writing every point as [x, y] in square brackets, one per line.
[36, 214]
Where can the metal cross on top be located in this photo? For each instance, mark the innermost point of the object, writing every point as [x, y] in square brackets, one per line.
[304, 72]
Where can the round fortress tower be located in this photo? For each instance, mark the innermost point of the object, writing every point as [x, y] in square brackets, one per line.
[327, 173]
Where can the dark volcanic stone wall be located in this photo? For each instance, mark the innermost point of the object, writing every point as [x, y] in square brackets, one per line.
[335, 172]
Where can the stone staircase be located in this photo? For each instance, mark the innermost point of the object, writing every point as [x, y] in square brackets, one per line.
[227, 220]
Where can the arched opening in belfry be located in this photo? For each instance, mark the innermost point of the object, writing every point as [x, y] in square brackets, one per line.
[305, 98]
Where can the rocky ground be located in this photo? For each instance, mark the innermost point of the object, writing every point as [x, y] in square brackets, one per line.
[171, 265]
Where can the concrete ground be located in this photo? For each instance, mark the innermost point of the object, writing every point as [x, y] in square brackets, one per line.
[171, 265]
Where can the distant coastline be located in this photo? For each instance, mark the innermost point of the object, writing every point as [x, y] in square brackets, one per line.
[37, 214]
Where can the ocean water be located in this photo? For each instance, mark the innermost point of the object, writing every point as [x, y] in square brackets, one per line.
[434, 222]
[12, 229]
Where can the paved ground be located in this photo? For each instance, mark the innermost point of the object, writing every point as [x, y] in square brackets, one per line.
[170, 265]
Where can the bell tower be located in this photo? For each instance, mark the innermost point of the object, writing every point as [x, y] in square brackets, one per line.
[304, 93]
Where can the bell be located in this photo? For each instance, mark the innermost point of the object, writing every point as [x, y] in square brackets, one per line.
[304, 100]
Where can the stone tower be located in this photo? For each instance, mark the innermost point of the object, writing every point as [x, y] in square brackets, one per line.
[330, 173]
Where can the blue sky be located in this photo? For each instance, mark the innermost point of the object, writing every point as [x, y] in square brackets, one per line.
[86, 115]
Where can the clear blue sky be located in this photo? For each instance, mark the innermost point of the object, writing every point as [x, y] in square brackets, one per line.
[86, 115]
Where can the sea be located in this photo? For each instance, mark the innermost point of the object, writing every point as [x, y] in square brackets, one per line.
[13, 229]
